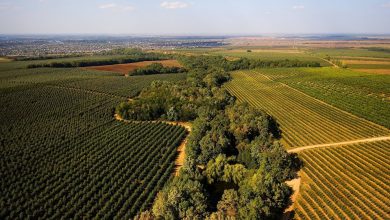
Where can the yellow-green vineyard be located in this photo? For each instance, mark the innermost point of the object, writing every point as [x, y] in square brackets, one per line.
[303, 120]
[338, 182]
[346, 182]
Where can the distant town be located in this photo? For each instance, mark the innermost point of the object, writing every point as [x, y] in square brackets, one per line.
[59, 45]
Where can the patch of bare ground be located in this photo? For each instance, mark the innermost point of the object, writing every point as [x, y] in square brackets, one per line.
[363, 58]
[127, 67]
[369, 62]
[295, 185]
[376, 71]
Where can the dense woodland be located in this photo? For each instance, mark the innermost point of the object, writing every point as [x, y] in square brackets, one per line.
[156, 68]
[234, 166]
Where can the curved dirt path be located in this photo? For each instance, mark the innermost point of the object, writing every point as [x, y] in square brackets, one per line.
[367, 140]
[330, 62]
[179, 162]
[295, 184]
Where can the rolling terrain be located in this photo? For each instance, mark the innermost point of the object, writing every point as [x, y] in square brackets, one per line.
[303, 119]
[345, 157]
[63, 154]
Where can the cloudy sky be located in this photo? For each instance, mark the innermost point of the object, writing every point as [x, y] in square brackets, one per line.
[194, 16]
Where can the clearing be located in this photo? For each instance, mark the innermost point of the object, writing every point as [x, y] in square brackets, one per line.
[126, 68]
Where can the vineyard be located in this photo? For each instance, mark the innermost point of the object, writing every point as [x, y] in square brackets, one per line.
[114, 170]
[365, 95]
[347, 182]
[63, 155]
[303, 119]
[111, 84]
[270, 54]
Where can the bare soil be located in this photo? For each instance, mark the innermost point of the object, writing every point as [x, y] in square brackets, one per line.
[126, 68]
[368, 62]
[376, 71]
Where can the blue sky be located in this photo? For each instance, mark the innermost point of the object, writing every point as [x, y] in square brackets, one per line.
[194, 16]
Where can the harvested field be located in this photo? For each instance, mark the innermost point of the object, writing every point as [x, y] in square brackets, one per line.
[4, 60]
[126, 68]
[368, 62]
[377, 71]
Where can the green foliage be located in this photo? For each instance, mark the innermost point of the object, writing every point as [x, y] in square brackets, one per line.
[156, 68]
[219, 62]
[254, 189]
[184, 98]
[222, 131]
[270, 55]
[182, 199]
[64, 155]
[62, 146]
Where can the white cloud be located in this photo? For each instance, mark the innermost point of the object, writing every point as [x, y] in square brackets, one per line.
[298, 7]
[174, 5]
[386, 5]
[113, 6]
[128, 8]
[107, 6]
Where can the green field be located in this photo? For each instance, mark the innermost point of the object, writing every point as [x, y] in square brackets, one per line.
[271, 55]
[365, 95]
[88, 80]
[303, 119]
[349, 52]
[63, 155]
[346, 182]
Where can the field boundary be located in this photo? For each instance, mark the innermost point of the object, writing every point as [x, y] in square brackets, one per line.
[366, 140]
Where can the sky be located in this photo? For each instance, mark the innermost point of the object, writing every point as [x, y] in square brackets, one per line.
[194, 17]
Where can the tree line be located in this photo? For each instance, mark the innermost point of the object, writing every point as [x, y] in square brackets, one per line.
[235, 167]
[156, 68]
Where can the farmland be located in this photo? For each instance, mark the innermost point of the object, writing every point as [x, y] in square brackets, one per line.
[366, 60]
[126, 68]
[303, 119]
[64, 155]
[345, 172]
[271, 54]
[346, 182]
[365, 95]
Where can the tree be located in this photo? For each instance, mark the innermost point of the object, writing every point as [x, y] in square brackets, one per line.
[184, 198]
[228, 205]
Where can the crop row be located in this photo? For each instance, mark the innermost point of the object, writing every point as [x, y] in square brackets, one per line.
[123, 86]
[348, 182]
[303, 120]
[365, 95]
[109, 173]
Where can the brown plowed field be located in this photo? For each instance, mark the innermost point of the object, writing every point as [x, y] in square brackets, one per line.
[127, 67]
